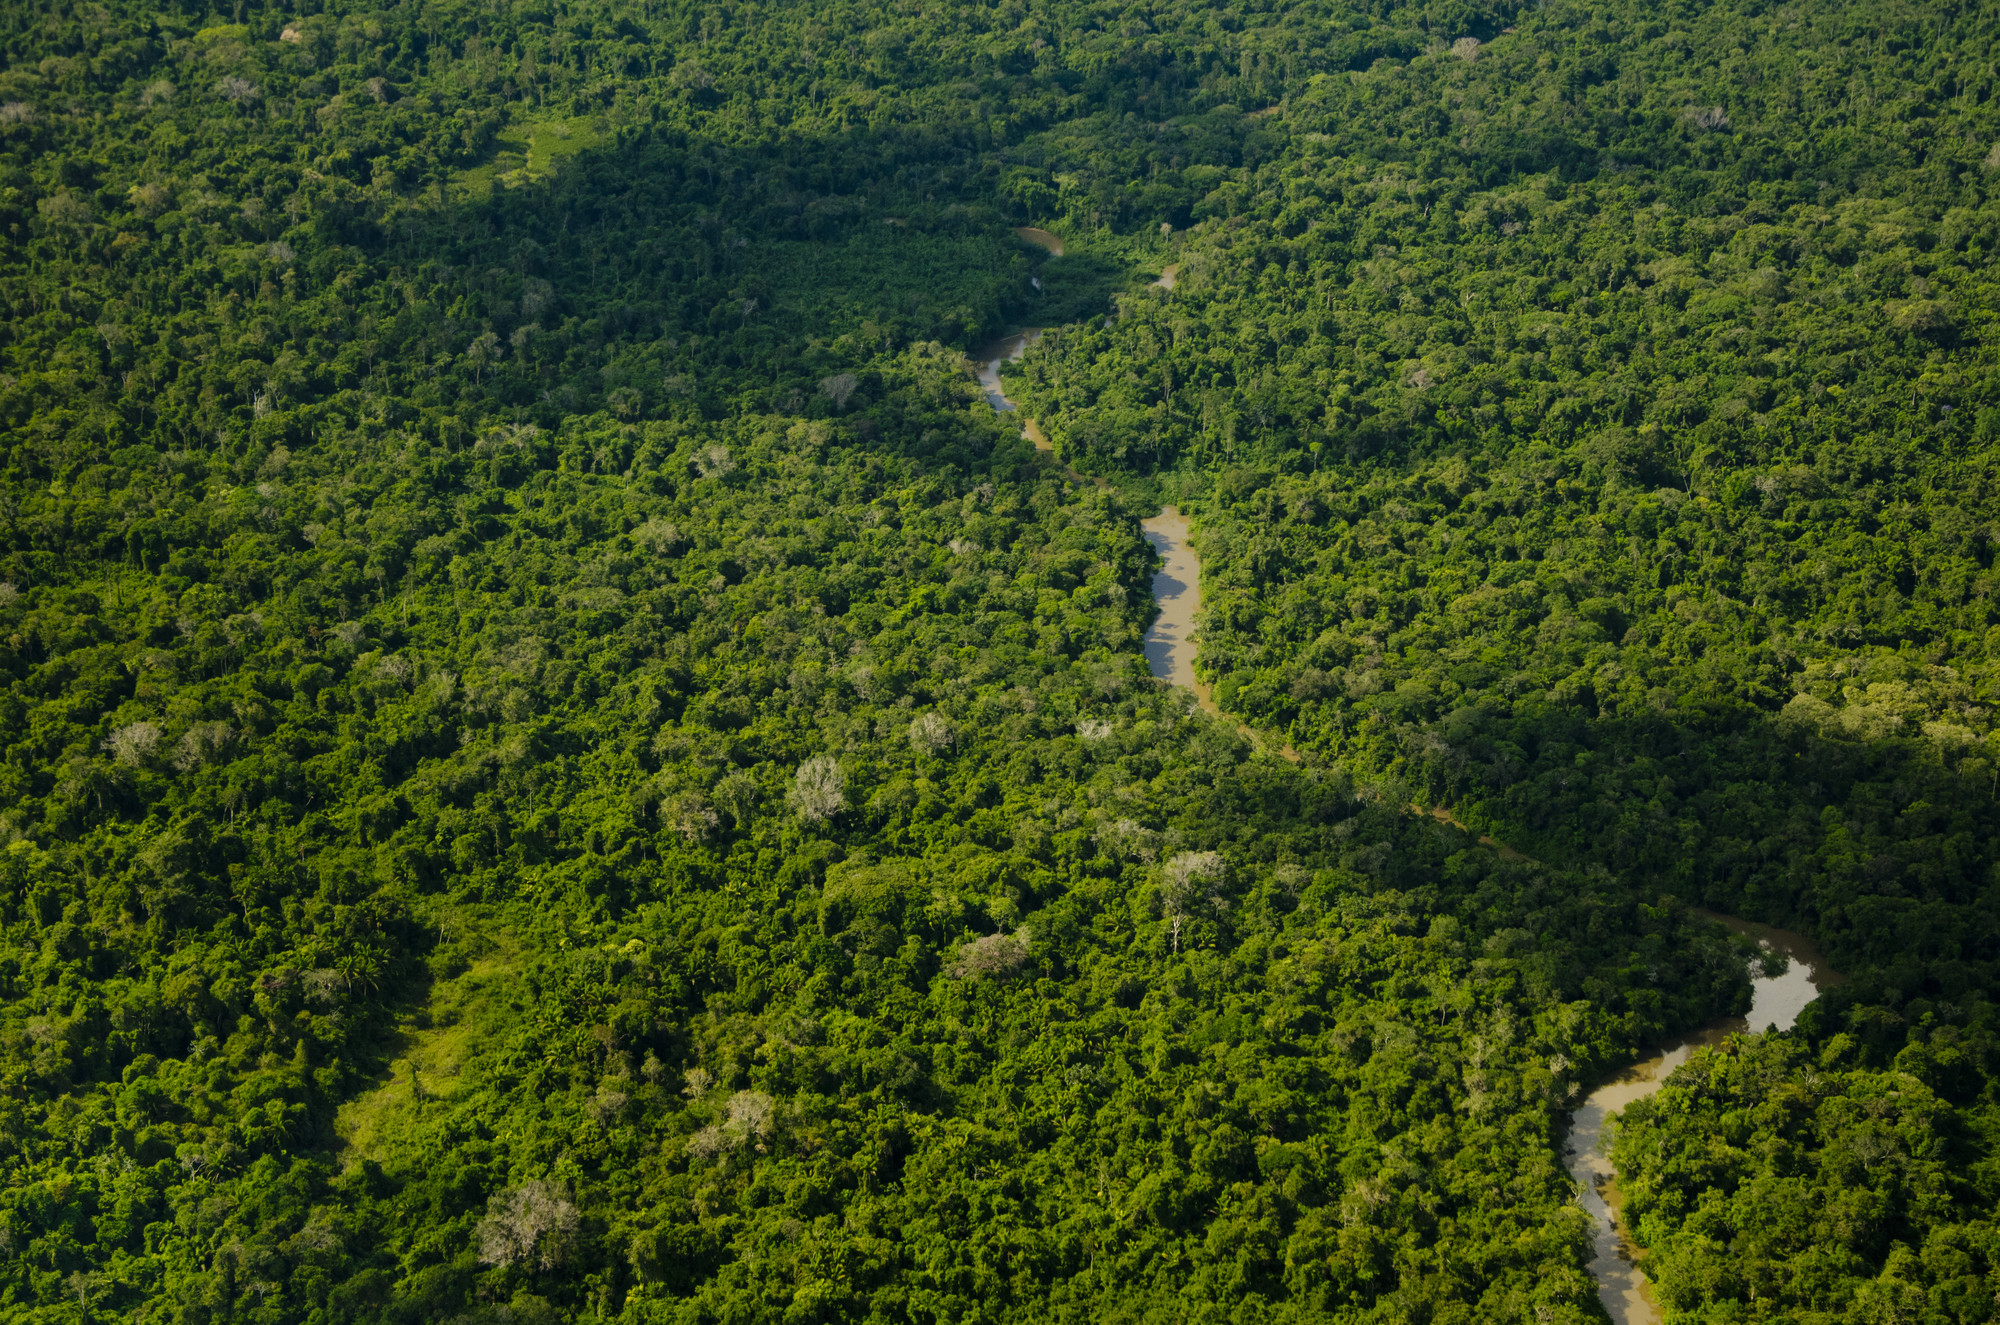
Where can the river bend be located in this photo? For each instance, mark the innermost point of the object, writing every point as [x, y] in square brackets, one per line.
[1775, 1002]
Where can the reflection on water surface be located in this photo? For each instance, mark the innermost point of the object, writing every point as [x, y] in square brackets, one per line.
[1775, 1002]
[1177, 586]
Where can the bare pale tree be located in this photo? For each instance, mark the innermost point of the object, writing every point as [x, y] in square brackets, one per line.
[1190, 884]
[1128, 838]
[323, 986]
[714, 461]
[749, 1116]
[608, 1103]
[134, 744]
[484, 350]
[657, 534]
[692, 76]
[737, 796]
[839, 388]
[752, 1114]
[819, 790]
[992, 957]
[536, 295]
[690, 815]
[203, 743]
[930, 733]
[533, 1225]
[85, 1285]
[64, 208]
[150, 198]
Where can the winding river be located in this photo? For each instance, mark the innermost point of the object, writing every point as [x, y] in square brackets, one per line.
[986, 361]
[1176, 585]
[1776, 1001]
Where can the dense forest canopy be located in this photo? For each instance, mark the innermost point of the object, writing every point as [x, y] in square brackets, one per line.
[562, 763]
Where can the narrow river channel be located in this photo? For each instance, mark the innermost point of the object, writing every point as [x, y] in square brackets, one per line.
[986, 361]
[1776, 1001]
[1176, 585]
[1177, 588]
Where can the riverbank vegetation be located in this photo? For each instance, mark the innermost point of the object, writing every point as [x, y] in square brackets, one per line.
[1631, 502]
[561, 763]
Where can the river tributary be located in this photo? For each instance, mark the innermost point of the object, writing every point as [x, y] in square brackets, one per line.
[1776, 1001]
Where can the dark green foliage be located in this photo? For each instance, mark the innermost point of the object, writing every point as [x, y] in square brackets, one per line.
[1835, 1189]
[561, 763]
[728, 1037]
[1596, 436]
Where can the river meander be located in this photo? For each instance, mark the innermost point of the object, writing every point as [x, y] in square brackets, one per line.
[1776, 1001]
[986, 361]
[1176, 585]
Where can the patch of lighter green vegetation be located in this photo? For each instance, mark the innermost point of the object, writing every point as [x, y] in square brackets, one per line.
[526, 152]
[432, 1049]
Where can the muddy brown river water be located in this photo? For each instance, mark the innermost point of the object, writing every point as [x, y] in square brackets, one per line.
[1177, 587]
[1041, 239]
[1776, 1001]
